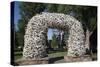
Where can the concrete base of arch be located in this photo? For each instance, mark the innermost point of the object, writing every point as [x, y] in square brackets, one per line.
[23, 61]
[83, 58]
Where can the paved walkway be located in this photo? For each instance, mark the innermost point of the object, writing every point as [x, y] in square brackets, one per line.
[60, 61]
[57, 57]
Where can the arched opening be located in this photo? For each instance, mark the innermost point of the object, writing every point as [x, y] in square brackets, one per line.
[56, 41]
[58, 36]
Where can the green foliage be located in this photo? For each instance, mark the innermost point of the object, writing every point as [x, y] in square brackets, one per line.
[27, 10]
[16, 40]
[54, 42]
[87, 15]
[52, 7]
[93, 24]
[66, 9]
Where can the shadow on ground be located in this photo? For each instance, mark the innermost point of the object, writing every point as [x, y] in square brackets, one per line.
[54, 59]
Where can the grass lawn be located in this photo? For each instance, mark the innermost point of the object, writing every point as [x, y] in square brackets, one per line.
[18, 55]
[57, 54]
[54, 54]
[94, 56]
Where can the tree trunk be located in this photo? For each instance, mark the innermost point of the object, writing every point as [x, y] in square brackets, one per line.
[87, 42]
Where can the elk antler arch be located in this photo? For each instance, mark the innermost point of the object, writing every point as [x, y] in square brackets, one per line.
[36, 34]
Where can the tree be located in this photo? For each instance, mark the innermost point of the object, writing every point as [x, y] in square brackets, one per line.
[88, 16]
[27, 10]
[54, 42]
[52, 7]
[66, 9]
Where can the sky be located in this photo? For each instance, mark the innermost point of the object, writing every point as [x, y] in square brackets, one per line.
[17, 17]
[16, 13]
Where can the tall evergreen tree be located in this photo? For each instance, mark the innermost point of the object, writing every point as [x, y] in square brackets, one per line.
[54, 42]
